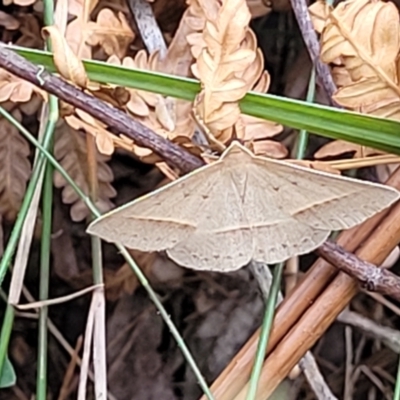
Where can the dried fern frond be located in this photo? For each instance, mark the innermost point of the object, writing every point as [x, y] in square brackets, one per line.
[363, 37]
[170, 118]
[71, 151]
[16, 89]
[111, 32]
[228, 64]
[15, 168]
[361, 40]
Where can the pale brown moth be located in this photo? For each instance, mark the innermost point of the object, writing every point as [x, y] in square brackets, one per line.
[243, 207]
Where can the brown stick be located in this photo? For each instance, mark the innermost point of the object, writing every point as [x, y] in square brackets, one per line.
[310, 39]
[173, 154]
[371, 277]
[320, 315]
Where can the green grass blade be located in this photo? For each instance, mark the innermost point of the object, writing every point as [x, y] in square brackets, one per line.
[396, 395]
[265, 331]
[366, 130]
[7, 376]
[5, 335]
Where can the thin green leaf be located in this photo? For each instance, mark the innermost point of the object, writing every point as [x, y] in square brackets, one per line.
[366, 130]
[7, 377]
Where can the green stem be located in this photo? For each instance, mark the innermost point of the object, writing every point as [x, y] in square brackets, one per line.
[396, 395]
[16, 231]
[45, 250]
[265, 331]
[41, 379]
[302, 141]
[6, 333]
[301, 147]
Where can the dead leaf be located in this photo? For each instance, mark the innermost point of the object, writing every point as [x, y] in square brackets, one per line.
[110, 32]
[70, 151]
[229, 64]
[15, 168]
[269, 148]
[364, 37]
[75, 37]
[67, 63]
[219, 63]
[16, 89]
[338, 147]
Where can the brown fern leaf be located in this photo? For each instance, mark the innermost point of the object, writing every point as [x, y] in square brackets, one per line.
[112, 32]
[363, 37]
[70, 149]
[15, 168]
[228, 64]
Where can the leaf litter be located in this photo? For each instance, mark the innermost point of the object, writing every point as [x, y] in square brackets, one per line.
[229, 308]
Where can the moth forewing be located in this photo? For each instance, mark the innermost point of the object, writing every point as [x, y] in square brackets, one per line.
[140, 223]
[242, 207]
[316, 198]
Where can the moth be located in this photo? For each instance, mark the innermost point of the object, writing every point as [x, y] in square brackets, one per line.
[242, 207]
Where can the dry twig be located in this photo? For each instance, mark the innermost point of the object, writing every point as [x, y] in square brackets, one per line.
[173, 154]
[372, 278]
[310, 38]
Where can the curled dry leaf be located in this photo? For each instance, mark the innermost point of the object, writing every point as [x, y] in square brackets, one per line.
[71, 151]
[67, 63]
[364, 37]
[15, 168]
[110, 32]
